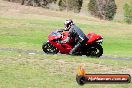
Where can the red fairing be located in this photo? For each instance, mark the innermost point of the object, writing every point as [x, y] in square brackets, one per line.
[63, 48]
[93, 37]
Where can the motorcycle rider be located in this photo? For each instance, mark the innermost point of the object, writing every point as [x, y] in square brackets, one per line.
[75, 33]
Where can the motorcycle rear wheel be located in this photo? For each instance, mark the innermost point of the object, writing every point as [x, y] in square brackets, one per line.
[49, 48]
[95, 50]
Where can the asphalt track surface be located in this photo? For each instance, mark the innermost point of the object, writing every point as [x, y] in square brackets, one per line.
[32, 52]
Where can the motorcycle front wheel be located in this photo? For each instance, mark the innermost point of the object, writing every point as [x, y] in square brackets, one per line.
[49, 48]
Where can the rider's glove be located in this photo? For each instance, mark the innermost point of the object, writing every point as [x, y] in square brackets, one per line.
[66, 40]
[62, 42]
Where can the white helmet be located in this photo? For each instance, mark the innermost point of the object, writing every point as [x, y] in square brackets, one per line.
[68, 23]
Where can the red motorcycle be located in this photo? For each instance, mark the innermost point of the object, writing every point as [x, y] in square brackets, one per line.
[92, 47]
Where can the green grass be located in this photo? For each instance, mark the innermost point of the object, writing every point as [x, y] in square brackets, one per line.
[46, 71]
[20, 70]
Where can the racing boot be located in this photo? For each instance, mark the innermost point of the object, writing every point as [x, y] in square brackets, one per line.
[73, 51]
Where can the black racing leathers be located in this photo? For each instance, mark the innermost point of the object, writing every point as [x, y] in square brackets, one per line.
[78, 36]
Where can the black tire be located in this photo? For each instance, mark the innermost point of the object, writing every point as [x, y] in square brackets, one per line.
[95, 50]
[49, 49]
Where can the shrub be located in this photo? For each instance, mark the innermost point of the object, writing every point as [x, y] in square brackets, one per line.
[128, 13]
[41, 3]
[103, 9]
[70, 5]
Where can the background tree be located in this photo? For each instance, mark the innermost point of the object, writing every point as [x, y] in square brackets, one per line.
[128, 12]
[70, 5]
[41, 3]
[103, 9]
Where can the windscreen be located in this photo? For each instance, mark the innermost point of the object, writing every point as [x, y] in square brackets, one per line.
[55, 34]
